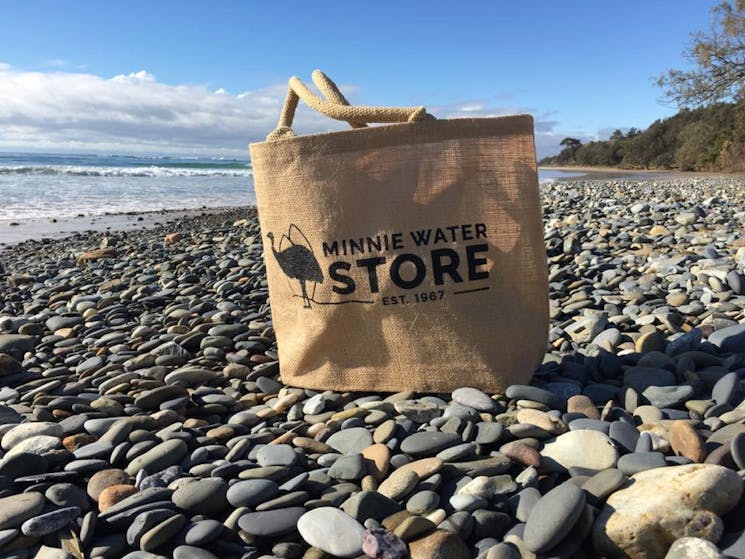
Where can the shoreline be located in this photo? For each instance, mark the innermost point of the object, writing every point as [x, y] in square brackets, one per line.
[662, 173]
[37, 229]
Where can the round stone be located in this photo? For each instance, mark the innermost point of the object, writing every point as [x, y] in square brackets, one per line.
[439, 545]
[106, 478]
[16, 509]
[668, 396]
[159, 457]
[272, 523]
[637, 462]
[419, 411]
[276, 455]
[724, 389]
[39, 444]
[162, 533]
[348, 468]
[50, 522]
[192, 552]
[24, 431]
[332, 531]
[685, 441]
[553, 516]
[399, 484]
[641, 378]
[663, 504]
[67, 495]
[737, 449]
[473, 398]
[429, 443]
[203, 532]
[251, 492]
[205, 496]
[350, 441]
[114, 494]
[526, 392]
[379, 542]
[693, 548]
[591, 451]
[423, 502]
[370, 504]
[604, 483]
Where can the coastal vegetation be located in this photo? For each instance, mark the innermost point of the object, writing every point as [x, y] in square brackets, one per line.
[708, 133]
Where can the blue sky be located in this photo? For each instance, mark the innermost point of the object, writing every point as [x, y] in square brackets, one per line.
[208, 77]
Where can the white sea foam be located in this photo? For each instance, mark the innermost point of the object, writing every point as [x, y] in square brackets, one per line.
[151, 171]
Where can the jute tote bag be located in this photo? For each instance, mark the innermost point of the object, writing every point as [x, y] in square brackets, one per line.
[402, 257]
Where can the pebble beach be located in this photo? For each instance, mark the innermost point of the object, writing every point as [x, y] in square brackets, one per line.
[142, 414]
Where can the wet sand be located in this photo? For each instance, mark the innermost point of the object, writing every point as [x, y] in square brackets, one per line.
[14, 232]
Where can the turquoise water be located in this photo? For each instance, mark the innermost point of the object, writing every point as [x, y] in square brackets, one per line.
[52, 185]
[68, 185]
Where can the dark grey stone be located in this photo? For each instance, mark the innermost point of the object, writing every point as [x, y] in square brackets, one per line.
[636, 462]
[641, 378]
[526, 392]
[592, 424]
[204, 496]
[488, 432]
[251, 492]
[350, 441]
[271, 523]
[192, 552]
[737, 448]
[553, 517]
[428, 443]
[729, 339]
[624, 435]
[668, 396]
[49, 522]
[144, 522]
[348, 468]
[370, 504]
[725, 388]
[203, 532]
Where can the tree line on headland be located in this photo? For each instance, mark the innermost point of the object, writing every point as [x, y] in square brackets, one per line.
[708, 133]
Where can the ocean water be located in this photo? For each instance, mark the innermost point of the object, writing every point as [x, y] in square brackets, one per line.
[45, 186]
[59, 186]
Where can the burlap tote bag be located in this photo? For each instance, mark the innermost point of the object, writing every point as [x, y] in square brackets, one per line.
[402, 257]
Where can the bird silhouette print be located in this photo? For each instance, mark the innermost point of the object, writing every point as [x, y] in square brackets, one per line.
[297, 261]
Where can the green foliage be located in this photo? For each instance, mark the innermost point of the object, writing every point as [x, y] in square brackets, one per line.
[708, 138]
[717, 58]
[705, 139]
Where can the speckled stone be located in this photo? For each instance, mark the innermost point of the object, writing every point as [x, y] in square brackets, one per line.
[663, 504]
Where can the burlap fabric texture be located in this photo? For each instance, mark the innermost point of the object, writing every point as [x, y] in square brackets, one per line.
[408, 256]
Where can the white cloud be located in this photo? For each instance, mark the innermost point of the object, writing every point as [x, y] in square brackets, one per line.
[135, 113]
[61, 63]
[547, 138]
[134, 77]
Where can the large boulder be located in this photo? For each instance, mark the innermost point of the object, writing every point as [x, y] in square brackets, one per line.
[658, 506]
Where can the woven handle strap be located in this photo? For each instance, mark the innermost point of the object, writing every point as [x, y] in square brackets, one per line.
[337, 107]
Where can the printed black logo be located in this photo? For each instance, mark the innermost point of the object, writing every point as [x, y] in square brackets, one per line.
[297, 261]
[441, 261]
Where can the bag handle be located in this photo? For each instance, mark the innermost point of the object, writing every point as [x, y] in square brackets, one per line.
[337, 107]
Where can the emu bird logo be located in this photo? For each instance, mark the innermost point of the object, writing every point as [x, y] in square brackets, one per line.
[296, 259]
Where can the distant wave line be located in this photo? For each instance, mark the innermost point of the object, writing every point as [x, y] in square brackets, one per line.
[177, 170]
